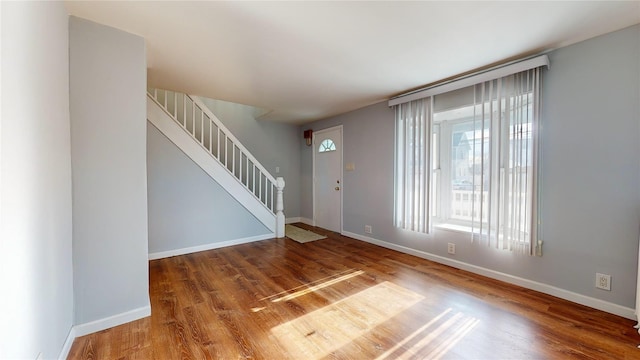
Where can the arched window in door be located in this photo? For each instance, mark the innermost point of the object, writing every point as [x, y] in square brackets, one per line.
[327, 145]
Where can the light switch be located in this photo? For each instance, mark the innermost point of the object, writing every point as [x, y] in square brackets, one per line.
[277, 169]
[350, 166]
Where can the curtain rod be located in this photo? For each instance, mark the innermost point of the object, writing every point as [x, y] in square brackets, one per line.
[472, 79]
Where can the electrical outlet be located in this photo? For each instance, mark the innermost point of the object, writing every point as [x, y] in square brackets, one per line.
[603, 281]
[451, 248]
[368, 229]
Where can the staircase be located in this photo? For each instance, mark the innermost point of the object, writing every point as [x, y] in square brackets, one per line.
[189, 124]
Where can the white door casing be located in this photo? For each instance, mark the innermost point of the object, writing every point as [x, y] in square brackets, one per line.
[327, 174]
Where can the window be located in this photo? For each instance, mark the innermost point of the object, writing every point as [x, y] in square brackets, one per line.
[327, 145]
[483, 149]
[461, 166]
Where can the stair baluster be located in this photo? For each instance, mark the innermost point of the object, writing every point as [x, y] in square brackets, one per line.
[172, 102]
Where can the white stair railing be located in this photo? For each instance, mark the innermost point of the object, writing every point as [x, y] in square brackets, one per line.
[207, 130]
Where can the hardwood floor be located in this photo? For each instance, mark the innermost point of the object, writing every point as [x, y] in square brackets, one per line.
[341, 298]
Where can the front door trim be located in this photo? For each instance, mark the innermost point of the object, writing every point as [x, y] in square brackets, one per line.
[315, 136]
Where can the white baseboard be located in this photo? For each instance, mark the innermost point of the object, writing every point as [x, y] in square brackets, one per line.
[111, 321]
[211, 246]
[299, 219]
[64, 353]
[606, 306]
[309, 222]
[102, 324]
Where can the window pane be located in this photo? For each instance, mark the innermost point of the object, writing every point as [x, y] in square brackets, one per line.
[327, 145]
[469, 155]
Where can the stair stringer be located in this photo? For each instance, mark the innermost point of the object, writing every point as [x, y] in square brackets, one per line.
[218, 172]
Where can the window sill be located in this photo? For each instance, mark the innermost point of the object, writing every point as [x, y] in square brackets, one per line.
[453, 227]
[466, 229]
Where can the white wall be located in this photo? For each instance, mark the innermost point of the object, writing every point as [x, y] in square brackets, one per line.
[187, 208]
[108, 147]
[591, 198]
[35, 184]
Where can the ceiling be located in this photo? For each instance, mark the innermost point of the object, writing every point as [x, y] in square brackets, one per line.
[303, 61]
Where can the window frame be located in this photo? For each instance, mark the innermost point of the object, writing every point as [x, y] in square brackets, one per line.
[442, 190]
[516, 199]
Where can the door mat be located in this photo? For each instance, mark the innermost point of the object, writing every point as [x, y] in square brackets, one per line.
[301, 235]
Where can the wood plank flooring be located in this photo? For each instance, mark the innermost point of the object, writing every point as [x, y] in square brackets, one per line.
[341, 298]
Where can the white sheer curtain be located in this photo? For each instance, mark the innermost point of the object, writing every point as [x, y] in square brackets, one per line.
[413, 165]
[505, 162]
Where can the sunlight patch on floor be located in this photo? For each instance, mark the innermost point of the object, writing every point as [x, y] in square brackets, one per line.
[314, 286]
[413, 335]
[434, 339]
[323, 331]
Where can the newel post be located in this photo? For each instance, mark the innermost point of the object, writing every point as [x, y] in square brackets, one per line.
[279, 208]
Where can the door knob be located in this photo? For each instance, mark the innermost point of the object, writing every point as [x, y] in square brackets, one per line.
[337, 187]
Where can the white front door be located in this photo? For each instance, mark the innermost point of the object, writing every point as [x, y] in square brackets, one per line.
[327, 169]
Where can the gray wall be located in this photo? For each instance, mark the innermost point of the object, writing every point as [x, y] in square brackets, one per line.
[108, 148]
[36, 275]
[590, 174]
[368, 190]
[273, 144]
[186, 207]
